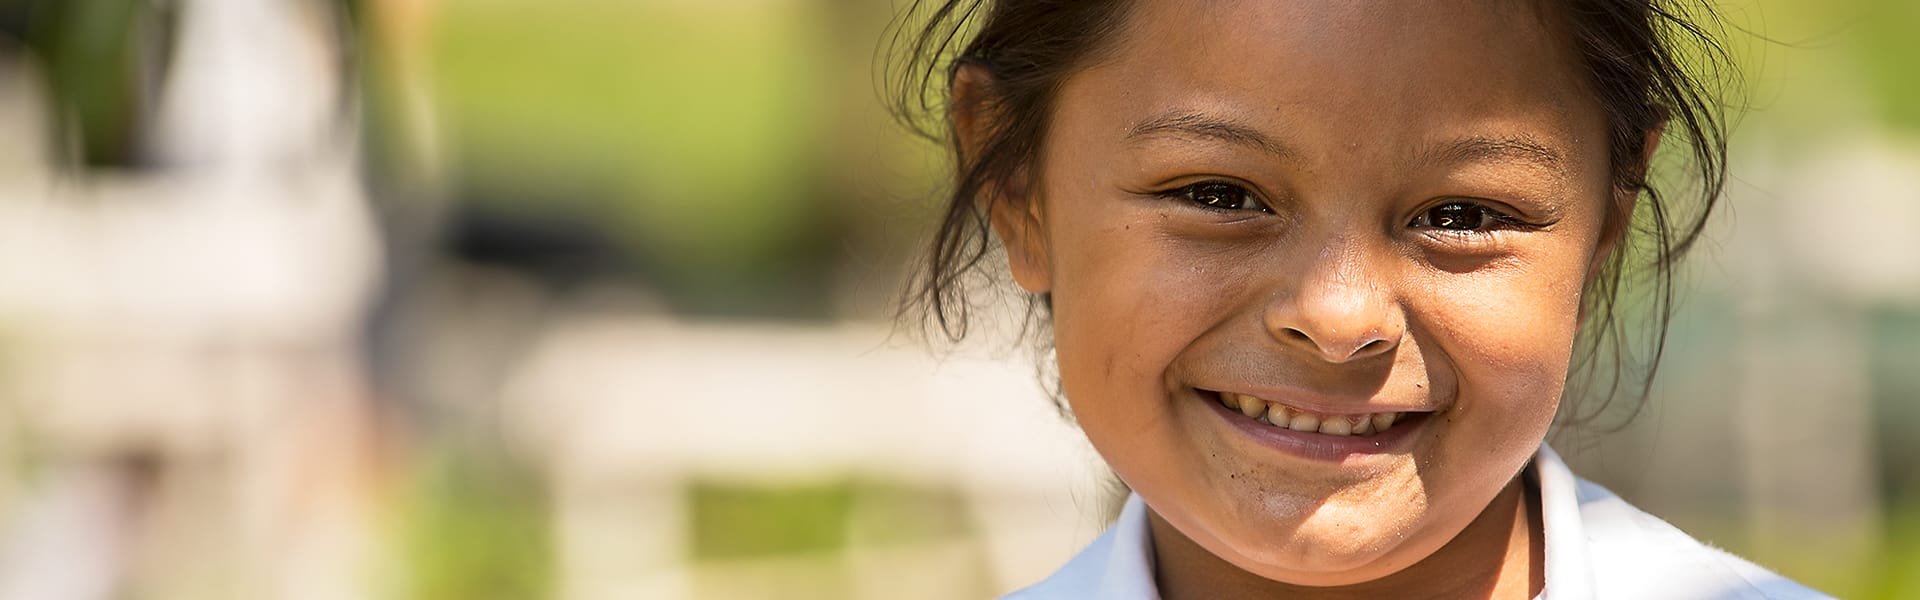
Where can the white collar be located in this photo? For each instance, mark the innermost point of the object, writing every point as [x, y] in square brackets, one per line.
[1588, 530]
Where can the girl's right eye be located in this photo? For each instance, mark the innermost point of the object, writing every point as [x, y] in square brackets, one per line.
[1219, 195]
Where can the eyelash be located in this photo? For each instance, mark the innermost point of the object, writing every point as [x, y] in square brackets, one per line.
[1489, 218]
[1194, 193]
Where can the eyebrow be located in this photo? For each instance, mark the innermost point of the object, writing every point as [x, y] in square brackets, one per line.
[1508, 149]
[1517, 149]
[1201, 125]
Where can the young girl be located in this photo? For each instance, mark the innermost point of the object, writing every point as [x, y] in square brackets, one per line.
[1317, 273]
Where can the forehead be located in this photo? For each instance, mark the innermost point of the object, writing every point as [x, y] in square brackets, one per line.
[1368, 75]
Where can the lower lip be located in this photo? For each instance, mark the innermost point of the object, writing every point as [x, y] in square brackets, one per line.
[1319, 446]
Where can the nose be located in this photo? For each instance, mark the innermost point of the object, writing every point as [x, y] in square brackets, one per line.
[1337, 308]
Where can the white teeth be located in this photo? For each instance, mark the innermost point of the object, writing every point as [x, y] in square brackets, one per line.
[1278, 414]
[1336, 426]
[1304, 422]
[1251, 406]
[1381, 421]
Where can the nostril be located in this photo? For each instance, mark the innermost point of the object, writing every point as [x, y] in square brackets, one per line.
[1369, 347]
[1332, 352]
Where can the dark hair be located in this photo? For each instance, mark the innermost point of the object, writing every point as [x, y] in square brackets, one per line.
[1650, 63]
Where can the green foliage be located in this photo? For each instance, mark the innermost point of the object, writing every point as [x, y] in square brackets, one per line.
[746, 520]
[733, 520]
[690, 129]
[472, 530]
[1888, 51]
[97, 57]
[1893, 575]
[1898, 573]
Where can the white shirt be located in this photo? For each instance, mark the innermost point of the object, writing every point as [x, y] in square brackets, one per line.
[1597, 546]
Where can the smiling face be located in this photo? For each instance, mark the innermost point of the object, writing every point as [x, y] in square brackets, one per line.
[1340, 209]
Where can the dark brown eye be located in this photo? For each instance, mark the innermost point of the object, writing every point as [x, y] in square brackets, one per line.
[1221, 196]
[1458, 216]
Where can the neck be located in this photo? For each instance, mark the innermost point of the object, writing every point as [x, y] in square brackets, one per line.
[1498, 556]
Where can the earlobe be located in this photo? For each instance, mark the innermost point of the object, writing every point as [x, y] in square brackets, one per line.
[1021, 224]
[1011, 206]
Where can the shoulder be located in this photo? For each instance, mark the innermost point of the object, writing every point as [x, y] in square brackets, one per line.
[1117, 565]
[1598, 546]
[1075, 580]
[1633, 554]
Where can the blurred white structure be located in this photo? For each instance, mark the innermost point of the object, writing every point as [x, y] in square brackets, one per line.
[1766, 389]
[625, 410]
[182, 340]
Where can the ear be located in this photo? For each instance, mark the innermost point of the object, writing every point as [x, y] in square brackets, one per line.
[1021, 225]
[1619, 217]
[1013, 208]
[1620, 214]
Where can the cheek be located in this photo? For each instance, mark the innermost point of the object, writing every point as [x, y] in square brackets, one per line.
[1128, 300]
[1508, 335]
[1123, 303]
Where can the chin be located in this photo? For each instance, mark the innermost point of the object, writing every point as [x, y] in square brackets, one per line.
[1316, 554]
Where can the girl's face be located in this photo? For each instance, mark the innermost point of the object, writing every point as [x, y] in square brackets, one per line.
[1341, 208]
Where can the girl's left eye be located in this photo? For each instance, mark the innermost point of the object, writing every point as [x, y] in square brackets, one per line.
[1219, 196]
[1462, 217]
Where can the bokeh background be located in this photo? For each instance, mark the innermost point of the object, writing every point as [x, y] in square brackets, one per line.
[456, 299]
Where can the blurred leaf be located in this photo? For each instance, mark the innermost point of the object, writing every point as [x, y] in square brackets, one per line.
[1889, 50]
[695, 119]
[747, 520]
[472, 529]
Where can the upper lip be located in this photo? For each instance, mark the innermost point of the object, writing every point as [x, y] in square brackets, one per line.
[1315, 403]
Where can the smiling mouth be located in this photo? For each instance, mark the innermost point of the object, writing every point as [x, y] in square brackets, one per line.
[1274, 414]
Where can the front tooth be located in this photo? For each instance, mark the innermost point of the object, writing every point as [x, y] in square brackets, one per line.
[1279, 415]
[1336, 426]
[1364, 427]
[1251, 406]
[1381, 421]
[1304, 422]
[1230, 401]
